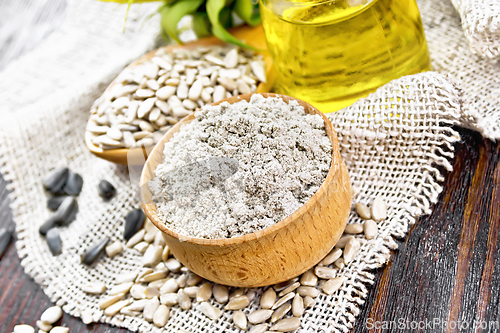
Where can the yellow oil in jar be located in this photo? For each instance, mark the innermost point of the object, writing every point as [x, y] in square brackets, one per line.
[331, 53]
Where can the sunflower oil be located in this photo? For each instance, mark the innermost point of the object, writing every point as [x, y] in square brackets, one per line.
[331, 53]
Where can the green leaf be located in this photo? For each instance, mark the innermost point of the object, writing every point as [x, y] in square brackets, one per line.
[201, 25]
[214, 8]
[247, 11]
[172, 14]
[127, 1]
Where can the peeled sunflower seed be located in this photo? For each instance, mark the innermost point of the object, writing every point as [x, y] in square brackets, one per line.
[259, 316]
[221, 293]
[297, 306]
[106, 189]
[134, 221]
[115, 308]
[150, 308]
[210, 311]
[161, 315]
[170, 286]
[363, 211]
[343, 241]
[43, 326]
[73, 184]
[204, 292]
[238, 303]
[308, 301]
[169, 299]
[280, 312]
[5, 237]
[289, 289]
[240, 320]
[55, 180]
[54, 241]
[95, 288]
[283, 300]
[54, 202]
[259, 328]
[268, 298]
[66, 211]
[51, 315]
[59, 329]
[378, 209]
[93, 251]
[325, 272]
[370, 229]
[308, 291]
[152, 256]
[309, 278]
[286, 325]
[355, 228]
[121, 288]
[108, 301]
[114, 248]
[173, 265]
[136, 238]
[332, 285]
[183, 299]
[351, 249]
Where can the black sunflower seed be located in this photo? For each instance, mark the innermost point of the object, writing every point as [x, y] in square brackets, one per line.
[91, 254]
[133, 223]
[55, 180]
[73, 184]
[66, 211]
[54, 241]
[5, 237]
[54, 202]
[47, 225]
[106, 189]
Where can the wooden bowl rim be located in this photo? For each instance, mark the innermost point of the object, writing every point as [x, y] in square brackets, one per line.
[107, 154]
[334, 168]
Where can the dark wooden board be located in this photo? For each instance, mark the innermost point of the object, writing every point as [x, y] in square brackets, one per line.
[446, 269]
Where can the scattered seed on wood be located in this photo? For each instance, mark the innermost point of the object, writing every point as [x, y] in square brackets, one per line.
[23, 329]
[74, 184]
[221, 293]
[280, 312]
[268, 298]
[351, 249]
[283, 300]
[134, 221]
[54, 241]
[286, 325]
[240, 320]
[332, 285]
[59, 329]
[5, 237]
[363, 211]
[114, 248]
[210, 311]
[43, 326]
[95, 288]
[51, 315]
[93, 251]
[378, 209]
[308, 291]
[150, 308]
[55, 180]
[106, 189]
[161, 315]
[66, 211]
[355, 228]
[54, 202]
[370, 229]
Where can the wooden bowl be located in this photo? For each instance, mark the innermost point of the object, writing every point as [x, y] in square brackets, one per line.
[254, 36]
[274, 254]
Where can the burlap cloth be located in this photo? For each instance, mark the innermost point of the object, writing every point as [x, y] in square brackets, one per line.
[394, 143]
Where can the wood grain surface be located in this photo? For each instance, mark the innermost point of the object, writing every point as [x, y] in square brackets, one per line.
[446, 269]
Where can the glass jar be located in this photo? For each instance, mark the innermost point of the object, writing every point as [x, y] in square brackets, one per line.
[331, 53]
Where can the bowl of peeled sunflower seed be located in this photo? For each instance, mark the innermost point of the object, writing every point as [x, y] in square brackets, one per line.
[249, 191]
[155, 92]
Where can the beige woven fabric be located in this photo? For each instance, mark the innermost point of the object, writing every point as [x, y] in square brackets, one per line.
[393, 143]
[481, 24]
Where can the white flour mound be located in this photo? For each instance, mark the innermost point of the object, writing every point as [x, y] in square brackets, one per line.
[239, 168]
